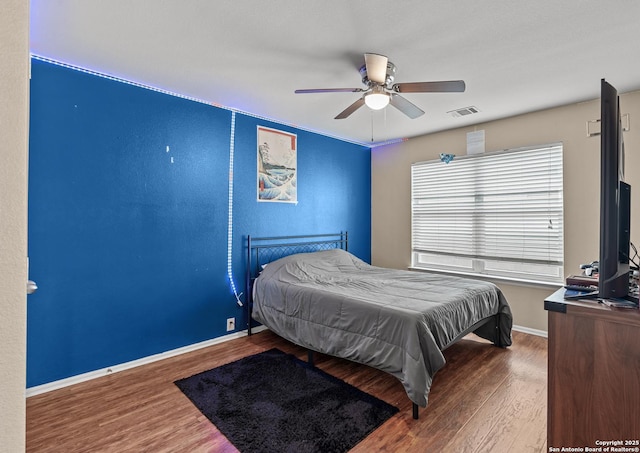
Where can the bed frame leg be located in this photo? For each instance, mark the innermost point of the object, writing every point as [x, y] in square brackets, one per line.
[310, 357]
[415, 411]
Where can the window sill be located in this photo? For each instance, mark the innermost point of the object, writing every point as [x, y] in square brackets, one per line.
[492, 278]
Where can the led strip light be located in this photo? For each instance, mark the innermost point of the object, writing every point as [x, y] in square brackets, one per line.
[230, 223]
[201, 101]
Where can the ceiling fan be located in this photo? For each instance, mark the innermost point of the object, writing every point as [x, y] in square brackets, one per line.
[378, 74]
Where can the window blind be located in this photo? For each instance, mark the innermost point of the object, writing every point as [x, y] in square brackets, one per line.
[497, 213]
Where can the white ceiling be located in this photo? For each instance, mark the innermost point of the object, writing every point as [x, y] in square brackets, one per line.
[250, 55]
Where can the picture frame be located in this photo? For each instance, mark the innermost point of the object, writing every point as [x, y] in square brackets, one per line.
[277, 172]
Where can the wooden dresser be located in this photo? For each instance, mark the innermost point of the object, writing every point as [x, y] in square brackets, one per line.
[594, 374]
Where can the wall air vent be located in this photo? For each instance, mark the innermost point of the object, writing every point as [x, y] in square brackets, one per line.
[465, 111]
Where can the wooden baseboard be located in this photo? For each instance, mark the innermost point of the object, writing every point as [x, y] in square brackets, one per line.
[55, 385]
[537, 332]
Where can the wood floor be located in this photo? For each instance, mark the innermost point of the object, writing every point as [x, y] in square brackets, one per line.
[485, 399]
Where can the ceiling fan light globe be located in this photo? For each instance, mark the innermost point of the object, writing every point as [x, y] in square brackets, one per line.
[376, 101]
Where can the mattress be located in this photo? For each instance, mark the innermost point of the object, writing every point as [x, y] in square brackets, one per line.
[394, 320]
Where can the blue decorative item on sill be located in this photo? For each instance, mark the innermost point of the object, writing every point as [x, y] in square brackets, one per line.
[446, 158]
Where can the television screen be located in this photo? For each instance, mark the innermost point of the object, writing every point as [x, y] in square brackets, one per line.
[613, 280]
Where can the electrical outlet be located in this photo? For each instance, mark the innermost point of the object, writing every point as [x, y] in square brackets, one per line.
[231, 324]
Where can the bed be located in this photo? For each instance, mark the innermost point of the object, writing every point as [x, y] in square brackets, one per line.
[311, 291]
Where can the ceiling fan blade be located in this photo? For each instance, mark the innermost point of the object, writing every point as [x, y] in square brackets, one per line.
[349, 110]
[330, 90]
[406, 107]
[445, 86]
[376, 67]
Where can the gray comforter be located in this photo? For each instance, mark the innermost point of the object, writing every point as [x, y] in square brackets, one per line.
[396, 321]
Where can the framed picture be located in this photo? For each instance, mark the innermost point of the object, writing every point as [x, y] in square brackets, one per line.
[277, 166]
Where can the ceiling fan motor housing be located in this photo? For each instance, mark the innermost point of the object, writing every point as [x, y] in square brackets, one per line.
[390, 76]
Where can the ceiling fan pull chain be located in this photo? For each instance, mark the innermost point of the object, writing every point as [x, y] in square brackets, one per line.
[371, 126]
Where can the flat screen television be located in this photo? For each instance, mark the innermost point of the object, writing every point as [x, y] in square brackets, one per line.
[615, 201]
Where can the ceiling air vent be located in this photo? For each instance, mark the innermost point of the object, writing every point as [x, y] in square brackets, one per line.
[465, 111]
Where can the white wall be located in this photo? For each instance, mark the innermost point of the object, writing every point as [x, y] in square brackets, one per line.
[391, 191]
[14, 113]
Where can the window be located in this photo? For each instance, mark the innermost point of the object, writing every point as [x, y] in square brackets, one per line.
[497, 214]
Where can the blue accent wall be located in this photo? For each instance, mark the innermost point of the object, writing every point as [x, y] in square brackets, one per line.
[128, 240]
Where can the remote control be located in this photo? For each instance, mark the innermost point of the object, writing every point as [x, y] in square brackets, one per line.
[586, 289]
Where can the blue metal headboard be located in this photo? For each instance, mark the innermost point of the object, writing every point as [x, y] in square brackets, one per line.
[263, 250]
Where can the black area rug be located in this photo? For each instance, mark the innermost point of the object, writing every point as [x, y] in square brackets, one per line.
[274, 402]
